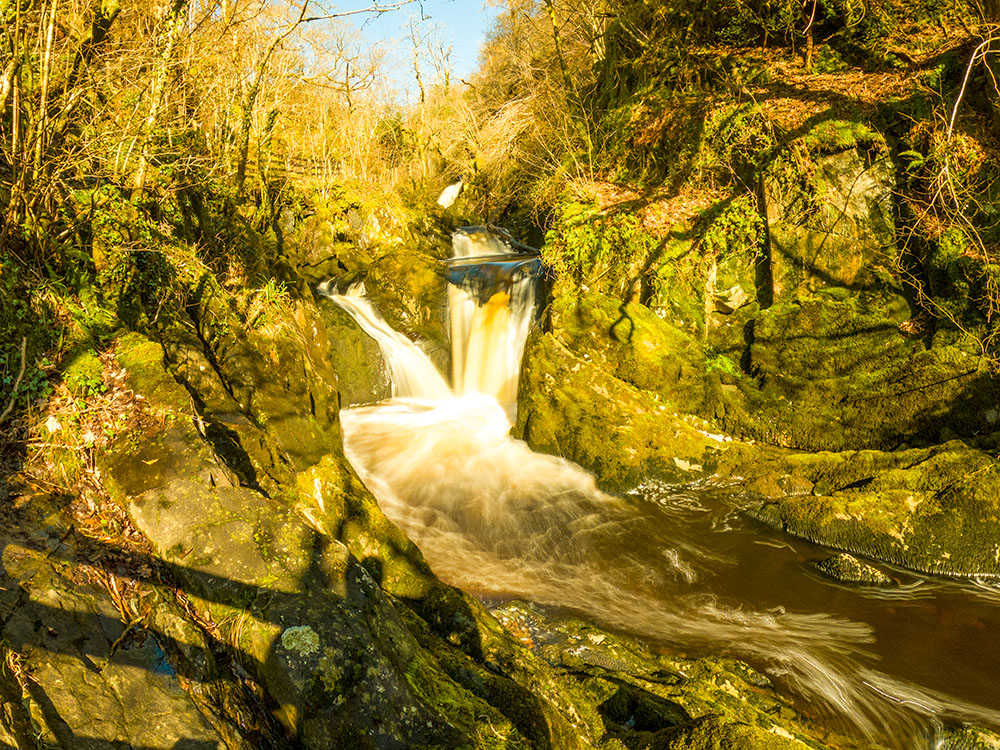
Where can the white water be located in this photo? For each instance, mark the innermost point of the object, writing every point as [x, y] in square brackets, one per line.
[497, 519]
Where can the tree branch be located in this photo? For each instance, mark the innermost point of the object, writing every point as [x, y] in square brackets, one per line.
[17, 382]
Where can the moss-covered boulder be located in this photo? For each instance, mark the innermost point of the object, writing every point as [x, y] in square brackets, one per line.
[839, 374]
[408, 289]
[570, 406]
[933, 510]
[849, 569]
[829, 204]
[630, 342]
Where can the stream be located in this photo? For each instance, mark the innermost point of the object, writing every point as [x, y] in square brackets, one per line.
[675, 564]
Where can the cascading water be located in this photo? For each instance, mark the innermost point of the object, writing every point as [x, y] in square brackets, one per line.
[499, 520]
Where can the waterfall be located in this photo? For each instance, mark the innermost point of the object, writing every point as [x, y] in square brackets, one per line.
[495, 518]
[412, 374]
[491, 300]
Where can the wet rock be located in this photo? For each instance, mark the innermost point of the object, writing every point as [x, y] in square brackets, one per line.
[849, 569]
[408, 290]
[571, 407]
[631, 343]
[656, 700]
[361, 371]
[932, 510]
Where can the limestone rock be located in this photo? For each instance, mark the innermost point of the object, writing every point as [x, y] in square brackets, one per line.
[572, 407]
[361, 370]
[95, 681]
[932, 510]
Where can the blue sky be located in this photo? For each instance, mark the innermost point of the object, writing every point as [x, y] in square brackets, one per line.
[461, 24]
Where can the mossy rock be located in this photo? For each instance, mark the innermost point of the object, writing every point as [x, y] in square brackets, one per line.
[408, 289]
[144, 361]
[361, 371]
[935, 510]
[653, 699]
[829, 204]
[849, 569]
[324, 244]
[837, 375]
[631, 343]
[971, 738]
[572, 407]
[84, 372]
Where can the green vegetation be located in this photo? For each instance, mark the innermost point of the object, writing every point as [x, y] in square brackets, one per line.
[771, 218]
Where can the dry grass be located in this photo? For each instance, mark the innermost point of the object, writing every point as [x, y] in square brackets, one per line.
[658, 213]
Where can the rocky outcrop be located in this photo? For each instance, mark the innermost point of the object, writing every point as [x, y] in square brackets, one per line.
[932, 510]
[828, 201]
[570, 406]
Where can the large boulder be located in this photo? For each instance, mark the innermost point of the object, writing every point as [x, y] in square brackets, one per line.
[829, 205]
[570, 406]
[630, 342]
[83, 678]
[408, 288]
[829, 374]
[933, 510]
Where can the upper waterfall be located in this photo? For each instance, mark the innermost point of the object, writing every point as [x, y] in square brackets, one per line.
[491, 299]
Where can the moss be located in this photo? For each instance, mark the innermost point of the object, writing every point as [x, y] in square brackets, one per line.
[144, 361]
[482, 723]
[632, 343]
[713, 733]
[832, 136]
[736, 143]
[84, 373]
[935, 511]
[572, 407]
[737, 230]
[849, 569]
[587, 245]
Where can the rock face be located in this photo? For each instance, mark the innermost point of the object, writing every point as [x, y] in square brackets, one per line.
[856, 425]
[657, 701]
[932, 510]
[89, 672]
[362, 377]
[570, 406]
[830, 224]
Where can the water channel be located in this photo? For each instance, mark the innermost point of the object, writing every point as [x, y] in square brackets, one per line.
[677, 565]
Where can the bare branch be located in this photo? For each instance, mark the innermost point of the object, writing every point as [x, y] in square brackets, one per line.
[17, 381]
